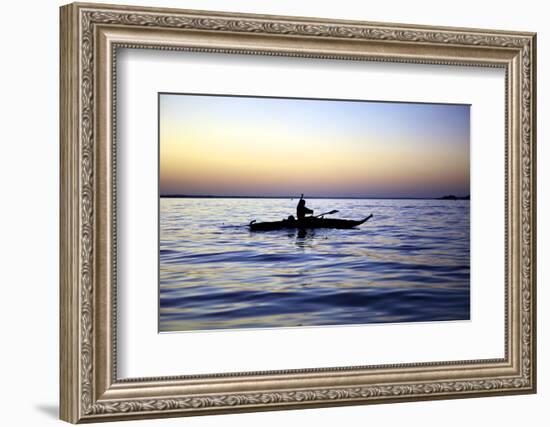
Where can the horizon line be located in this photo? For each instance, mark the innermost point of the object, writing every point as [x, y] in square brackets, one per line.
[211, 196]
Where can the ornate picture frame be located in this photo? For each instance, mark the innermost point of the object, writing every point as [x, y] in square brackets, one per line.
[90, 37]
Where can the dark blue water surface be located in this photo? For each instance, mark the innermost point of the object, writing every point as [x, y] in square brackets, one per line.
[409, 263]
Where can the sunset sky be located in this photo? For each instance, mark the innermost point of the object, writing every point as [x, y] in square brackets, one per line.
[248, 146]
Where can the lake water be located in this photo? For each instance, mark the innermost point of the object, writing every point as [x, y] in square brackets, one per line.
[409, 263]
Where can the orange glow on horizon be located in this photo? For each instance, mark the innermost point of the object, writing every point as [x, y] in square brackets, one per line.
[255, 157]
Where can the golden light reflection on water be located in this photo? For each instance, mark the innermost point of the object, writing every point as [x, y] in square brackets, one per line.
[275, 320]
[410, 263]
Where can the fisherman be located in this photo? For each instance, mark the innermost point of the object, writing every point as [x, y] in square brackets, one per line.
[302, 210]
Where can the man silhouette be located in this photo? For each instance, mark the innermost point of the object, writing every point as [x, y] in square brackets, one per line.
[301, 209]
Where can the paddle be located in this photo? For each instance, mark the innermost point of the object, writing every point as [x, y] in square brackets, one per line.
[326, 213]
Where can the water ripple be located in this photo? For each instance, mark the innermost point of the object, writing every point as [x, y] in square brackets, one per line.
[410, 263]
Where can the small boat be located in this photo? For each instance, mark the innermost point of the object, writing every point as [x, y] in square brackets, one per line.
[306, 223]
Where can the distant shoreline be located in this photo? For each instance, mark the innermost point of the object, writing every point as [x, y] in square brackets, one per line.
[203, 196]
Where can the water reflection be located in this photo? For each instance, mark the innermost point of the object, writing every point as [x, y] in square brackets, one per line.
[409, 263]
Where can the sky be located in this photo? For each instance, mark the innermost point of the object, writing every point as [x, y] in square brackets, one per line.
[251, 146]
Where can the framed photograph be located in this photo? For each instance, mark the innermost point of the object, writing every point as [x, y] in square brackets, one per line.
[267, 212]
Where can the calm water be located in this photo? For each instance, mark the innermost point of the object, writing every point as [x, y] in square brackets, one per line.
[410, 262]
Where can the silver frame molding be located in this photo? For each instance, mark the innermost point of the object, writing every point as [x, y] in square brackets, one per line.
[90, 37]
